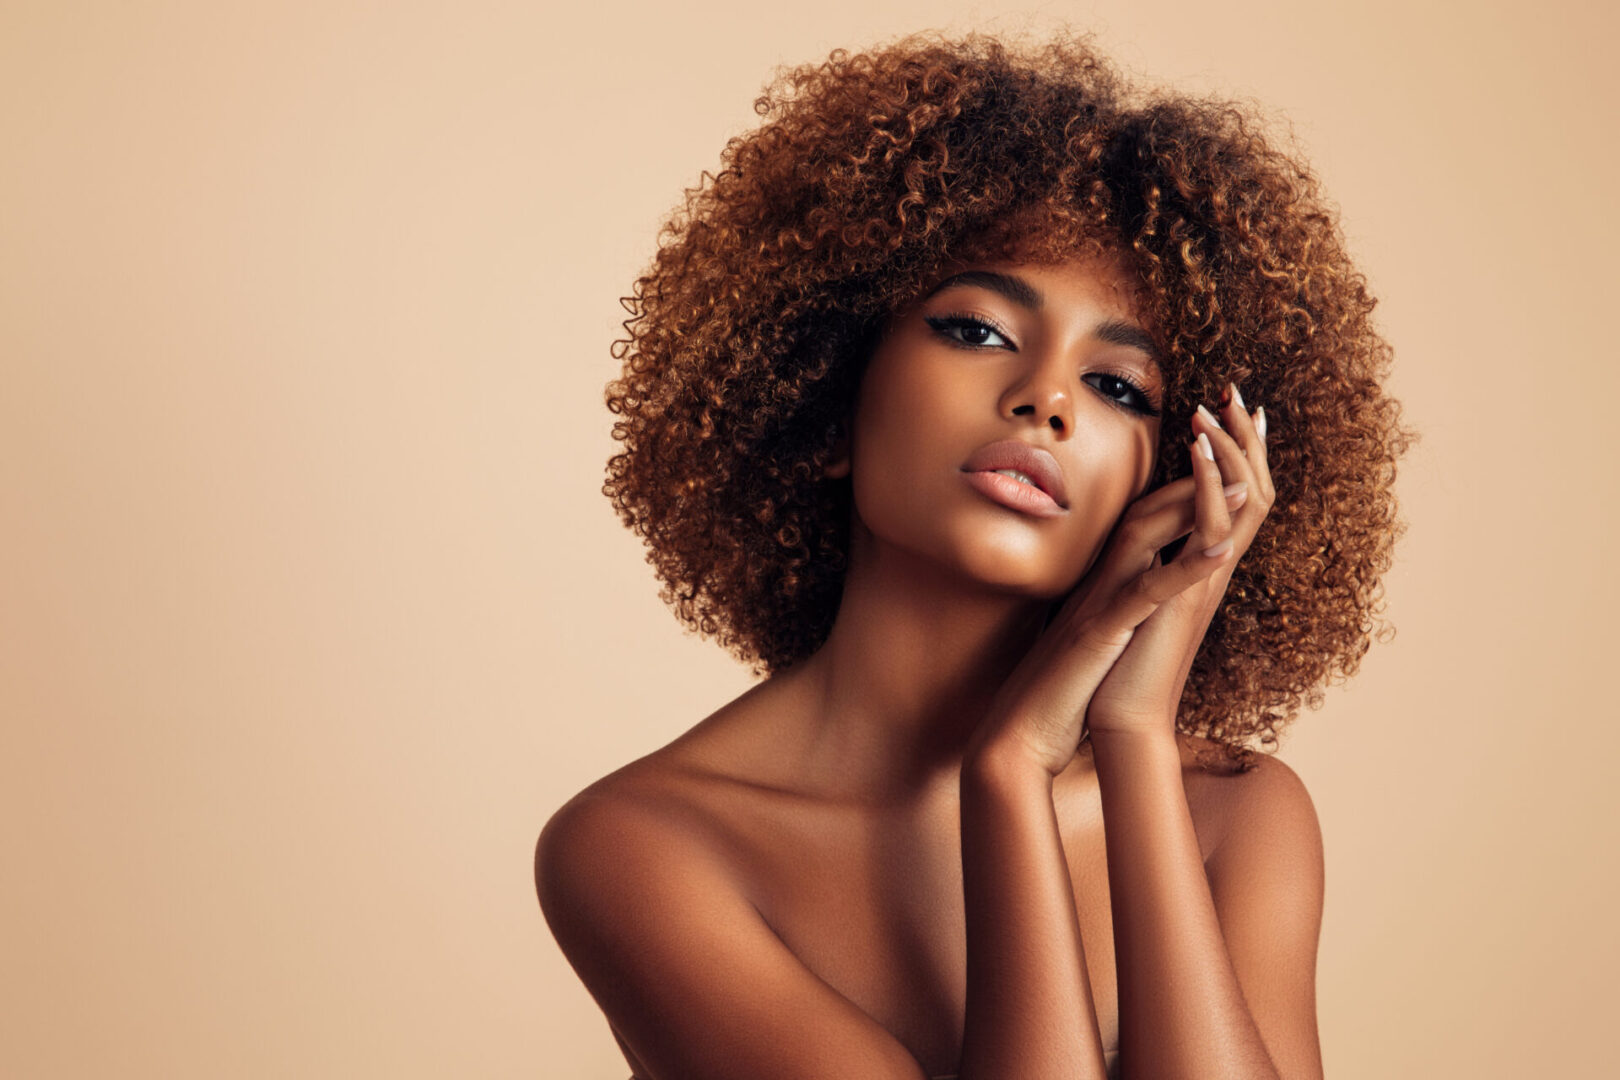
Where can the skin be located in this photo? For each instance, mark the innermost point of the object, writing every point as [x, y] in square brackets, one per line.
[898, 858]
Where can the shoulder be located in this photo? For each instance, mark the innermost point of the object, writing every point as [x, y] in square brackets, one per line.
[1270, 794]
[631, 833]
[1267, 856]
[642, 889]
[1257, 798]
[1266, 882]
[679, 813]
[636, 887]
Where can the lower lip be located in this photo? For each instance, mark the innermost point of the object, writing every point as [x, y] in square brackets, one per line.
[1014, 493]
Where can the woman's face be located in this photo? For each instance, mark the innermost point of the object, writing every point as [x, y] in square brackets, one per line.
[1048, 360]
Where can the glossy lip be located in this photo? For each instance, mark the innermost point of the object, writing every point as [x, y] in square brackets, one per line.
[1014, 494]
[1039, 465]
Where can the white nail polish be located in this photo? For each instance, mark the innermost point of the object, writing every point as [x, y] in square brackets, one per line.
[1209, 416]
[1260, 421]
[1204, 448]
[1237, 398]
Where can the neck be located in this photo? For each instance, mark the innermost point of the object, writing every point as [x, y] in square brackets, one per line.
[912, 662]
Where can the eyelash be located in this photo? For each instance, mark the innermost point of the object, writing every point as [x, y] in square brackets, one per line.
[944, 324]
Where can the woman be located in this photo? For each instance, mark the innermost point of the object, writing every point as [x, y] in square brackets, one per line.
[934, 411]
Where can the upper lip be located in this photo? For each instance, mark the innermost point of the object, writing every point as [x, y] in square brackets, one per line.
[1039, 465]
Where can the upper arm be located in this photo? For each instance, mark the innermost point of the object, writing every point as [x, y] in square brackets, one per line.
[696, 983]
[1266, 880]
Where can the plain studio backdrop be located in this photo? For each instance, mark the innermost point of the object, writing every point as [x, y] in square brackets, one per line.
[312, 612]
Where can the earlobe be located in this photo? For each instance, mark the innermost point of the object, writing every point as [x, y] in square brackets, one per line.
[838, 467]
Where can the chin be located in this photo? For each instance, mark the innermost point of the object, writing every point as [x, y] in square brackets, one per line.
[1001, 554]
[1018, 579]
[1015, 561]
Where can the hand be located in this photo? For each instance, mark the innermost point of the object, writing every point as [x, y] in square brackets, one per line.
[1040, 711]
[1142, 690]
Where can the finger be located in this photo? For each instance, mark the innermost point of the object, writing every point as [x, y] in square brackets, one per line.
[1229, 454]
[1154, 586]
[1137, 542]
[1162, 496]
[1172, 521]
[1244, 429]
[1169, 496]
[1213, 524]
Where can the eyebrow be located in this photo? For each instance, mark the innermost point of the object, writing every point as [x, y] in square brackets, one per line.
[1115, 332]
[1013, 288]
[1024, 294]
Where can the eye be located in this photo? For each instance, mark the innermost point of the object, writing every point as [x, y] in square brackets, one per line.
[1123, 392]
[969, 331]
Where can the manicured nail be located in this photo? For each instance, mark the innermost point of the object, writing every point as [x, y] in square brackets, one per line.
[1237, 397]
[1207, 415]
[1241, 488]
[1219, 549]
[1260, 421]
[1203, 445]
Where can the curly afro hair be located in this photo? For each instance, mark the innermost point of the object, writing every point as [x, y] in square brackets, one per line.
[869, 174]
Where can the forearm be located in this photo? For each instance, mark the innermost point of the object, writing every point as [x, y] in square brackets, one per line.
[1182, 1013]
[1029, 1007]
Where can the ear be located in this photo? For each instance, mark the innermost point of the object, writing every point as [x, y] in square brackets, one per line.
[838, 467]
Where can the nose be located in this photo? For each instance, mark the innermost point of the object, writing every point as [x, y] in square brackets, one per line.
[1045, 393]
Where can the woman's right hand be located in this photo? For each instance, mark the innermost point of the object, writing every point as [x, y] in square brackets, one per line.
[1038, 716]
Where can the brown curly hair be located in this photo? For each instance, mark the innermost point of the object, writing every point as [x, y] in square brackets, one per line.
[869, 174]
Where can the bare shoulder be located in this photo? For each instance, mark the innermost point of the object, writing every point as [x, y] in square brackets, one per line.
[641, 886]
[664, 821]
[1266, 867]
[635, 824]
[1266, 881]
[1256, 799]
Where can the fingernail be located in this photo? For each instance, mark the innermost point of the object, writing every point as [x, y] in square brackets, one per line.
[1241, 488]
[1219, 549]
[1203, 445]
[1260, 421]
[1207, 415]
[1237, 397]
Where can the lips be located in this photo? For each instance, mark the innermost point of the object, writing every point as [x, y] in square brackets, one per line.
[1035, 463]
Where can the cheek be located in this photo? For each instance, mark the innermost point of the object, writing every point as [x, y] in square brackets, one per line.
[1119, 459]
[895, 410]
[889, 444]
[1134, 463]
[907, 436]
[1123, 470]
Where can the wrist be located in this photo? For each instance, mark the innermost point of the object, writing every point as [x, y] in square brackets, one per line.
[1002, 767]
[1135, 742]
[1141, 722]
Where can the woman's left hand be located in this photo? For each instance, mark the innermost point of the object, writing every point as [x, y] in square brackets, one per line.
[1142, 691]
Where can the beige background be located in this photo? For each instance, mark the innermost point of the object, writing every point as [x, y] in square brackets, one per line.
[311, 611]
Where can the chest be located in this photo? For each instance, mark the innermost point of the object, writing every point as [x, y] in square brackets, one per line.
[872, 903]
